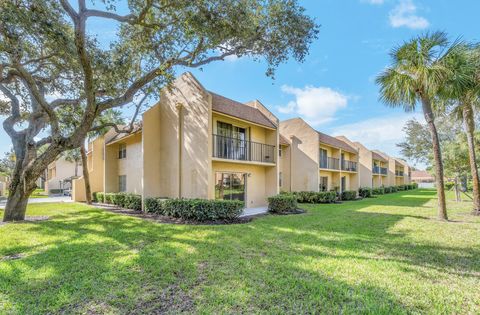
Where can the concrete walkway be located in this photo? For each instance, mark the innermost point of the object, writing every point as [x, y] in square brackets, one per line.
[254, 211]
[42, 200]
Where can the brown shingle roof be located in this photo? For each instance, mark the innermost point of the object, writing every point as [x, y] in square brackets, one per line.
[283, 140]
[334, 142]
[113, 136]
[383, 155]
[379, 157]
[236, 109]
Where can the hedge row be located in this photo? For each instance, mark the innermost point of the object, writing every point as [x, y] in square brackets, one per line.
[349, 195]
[314, 197]
[283, 203]
[366, 192]
[123, 200]
[195, 209]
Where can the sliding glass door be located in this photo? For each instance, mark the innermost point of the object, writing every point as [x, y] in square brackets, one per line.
[230, 186]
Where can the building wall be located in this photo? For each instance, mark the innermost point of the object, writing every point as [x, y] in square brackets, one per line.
[95, 162]
[284, 168]
[60, 170]
[304, 154]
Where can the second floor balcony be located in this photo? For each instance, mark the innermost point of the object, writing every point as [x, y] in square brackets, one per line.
[330, 163]
[242, 150]
[379, 170]
[349, 166]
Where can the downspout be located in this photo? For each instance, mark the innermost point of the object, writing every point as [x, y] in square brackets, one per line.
[180, 146]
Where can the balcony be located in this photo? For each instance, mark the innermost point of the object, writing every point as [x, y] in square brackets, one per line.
[242, 150]
[330, 163]
[399, 173]
[349, 166]
[379, 170]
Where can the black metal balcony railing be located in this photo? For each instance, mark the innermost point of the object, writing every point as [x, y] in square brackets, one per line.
[379, 170]
[349, 166]
[243, 150]
[330, 163]
[398, 173]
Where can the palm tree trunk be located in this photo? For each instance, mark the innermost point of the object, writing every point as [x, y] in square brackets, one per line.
[86, 177]
[437, 155]
[470, 130]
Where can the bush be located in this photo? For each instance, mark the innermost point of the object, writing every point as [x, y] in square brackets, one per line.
[202, 209]
[315, 197]
[394, 189]
[349, 195]
[283, 203]
[415, 185]
[95, 196]
[365, 192]
[109, 198]
[387, 189]
[401, 187]
[118, 199]
[99, 197]
[132, 201]
[378, 191]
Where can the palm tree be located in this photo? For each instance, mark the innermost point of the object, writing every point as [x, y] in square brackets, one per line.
[462, 94]
[417, 73]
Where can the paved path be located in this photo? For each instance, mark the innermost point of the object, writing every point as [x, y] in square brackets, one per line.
[254, 211]
[42, 200]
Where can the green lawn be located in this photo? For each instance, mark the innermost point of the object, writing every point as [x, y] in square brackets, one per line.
[385, 255]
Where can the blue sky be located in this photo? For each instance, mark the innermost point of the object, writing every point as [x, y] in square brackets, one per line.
[334, 88]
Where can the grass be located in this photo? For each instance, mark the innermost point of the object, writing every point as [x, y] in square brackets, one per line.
[385, 255]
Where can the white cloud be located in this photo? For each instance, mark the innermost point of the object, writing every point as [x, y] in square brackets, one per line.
[317, 105]
[404, 14]
[382, 133]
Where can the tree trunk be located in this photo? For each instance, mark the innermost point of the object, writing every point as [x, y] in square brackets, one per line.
[470, 130]
[86, 178]
[437, 155]
[16, 206]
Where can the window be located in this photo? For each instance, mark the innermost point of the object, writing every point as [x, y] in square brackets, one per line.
[122, 151]
[323, 183]
[280, 152]
[122, 183]
[280, 179]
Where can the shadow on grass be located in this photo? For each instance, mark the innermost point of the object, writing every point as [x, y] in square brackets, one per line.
[99, 262]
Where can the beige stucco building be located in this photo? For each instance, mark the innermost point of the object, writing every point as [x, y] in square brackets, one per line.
[60, 174]
[197, 144]
[192, 144]
[314, 161]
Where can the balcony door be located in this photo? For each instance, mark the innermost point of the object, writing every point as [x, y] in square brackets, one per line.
[230, 186]
[323, 158]
[231, 141]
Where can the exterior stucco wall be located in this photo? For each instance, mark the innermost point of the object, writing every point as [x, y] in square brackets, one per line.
[304, 154]
[178, 128]
[284, 168]
[63, 170]
[96, 170]
[132, 165]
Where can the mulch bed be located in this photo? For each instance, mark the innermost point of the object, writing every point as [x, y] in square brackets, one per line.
[165, 219]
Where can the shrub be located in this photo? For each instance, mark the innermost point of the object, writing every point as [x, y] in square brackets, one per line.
[365, 192]
[387, 189]
[378, 191]
[118, 199]
[95, 196]
[283, 203]
[415, 185]
[394, 189]
[315, 197]
[99, 197]
[449, 185]
[109, 198]
[349, 195]
[132, 201]
[153, 205]
[202, 209]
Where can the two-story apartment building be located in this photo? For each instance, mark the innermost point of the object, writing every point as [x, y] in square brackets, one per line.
[321, 162]
[196, 144]
[60, 174]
